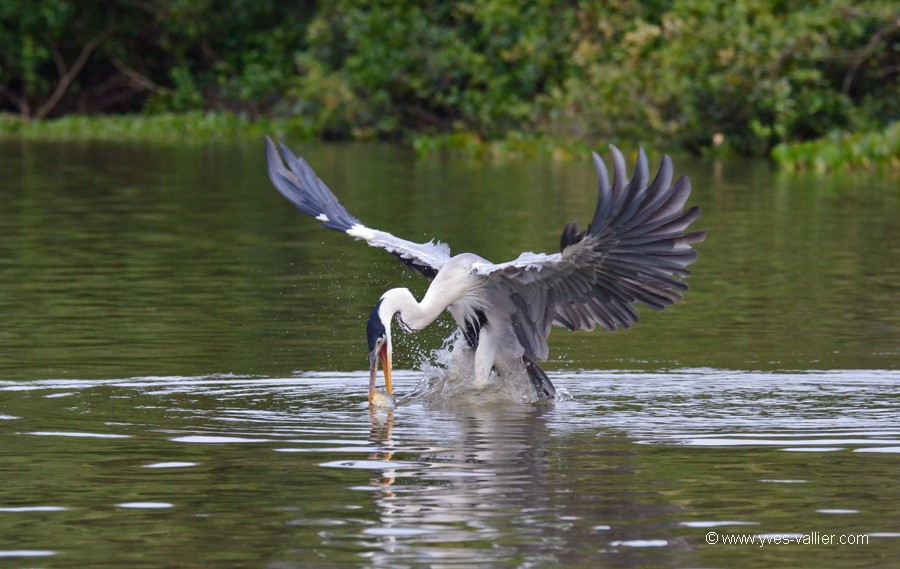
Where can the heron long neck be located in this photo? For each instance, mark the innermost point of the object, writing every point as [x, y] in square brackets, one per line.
[453, 282]
[416, 315]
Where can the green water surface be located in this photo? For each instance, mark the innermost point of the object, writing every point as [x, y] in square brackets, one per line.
[182, 372]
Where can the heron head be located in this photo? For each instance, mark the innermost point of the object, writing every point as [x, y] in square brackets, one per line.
[378, 330]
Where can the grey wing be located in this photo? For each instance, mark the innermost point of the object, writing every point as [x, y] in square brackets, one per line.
[635, 250]
[300, 185]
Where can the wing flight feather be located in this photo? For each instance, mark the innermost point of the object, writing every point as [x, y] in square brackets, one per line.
[300, 185]
[635, 251]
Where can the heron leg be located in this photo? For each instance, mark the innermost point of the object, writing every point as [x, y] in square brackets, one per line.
[485, 355]
[542, 384]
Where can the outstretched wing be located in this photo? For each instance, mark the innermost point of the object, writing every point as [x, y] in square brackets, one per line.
[636, 250]
[300, 185]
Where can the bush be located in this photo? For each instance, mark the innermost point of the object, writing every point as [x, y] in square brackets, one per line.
[840, 151]
[62, 57]
[736, 76]
[387, 69]
[749, 73]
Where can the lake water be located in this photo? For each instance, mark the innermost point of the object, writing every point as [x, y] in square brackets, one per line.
[183, 373]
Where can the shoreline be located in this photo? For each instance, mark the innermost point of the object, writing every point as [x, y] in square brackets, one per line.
[838, 151]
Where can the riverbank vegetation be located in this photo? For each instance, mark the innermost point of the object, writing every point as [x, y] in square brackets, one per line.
[839, 151]
[479, 77]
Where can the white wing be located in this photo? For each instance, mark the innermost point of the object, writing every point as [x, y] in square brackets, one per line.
[309, 194]
[636, 250]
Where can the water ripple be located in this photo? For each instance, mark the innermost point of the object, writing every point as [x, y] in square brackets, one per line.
[631, 464]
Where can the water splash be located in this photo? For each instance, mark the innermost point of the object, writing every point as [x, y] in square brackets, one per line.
[449, 379]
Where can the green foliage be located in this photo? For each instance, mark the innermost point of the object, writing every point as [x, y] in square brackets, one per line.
[193, 125]
[840, 151]
[512, 145]
[28, 32]
[62, 56]
[399, 67]
[748, 73]
[491, 76]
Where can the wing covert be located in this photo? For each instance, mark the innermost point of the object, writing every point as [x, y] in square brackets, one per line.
[300, 185]
[636, 250]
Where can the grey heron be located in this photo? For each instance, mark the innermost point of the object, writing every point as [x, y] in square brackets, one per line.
[635, 250]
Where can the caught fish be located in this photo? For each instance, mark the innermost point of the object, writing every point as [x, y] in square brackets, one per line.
[382, 400]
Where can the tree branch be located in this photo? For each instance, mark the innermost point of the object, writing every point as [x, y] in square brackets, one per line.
[58, 60]
[19, 103]
[129, 72]
[66, 80]
[866, 51]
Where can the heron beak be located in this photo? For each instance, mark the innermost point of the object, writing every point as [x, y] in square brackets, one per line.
[373, 368]
[386, 367]
[385, 358]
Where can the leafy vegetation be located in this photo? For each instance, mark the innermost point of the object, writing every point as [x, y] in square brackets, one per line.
[839, 151]
[156, 126]
[472, 76]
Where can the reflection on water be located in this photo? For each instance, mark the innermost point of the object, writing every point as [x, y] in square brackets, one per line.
[178, 379]
[634, 469]
[120, 260]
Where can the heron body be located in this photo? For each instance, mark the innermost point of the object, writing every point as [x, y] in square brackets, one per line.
[635, 251]
[458, 288]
